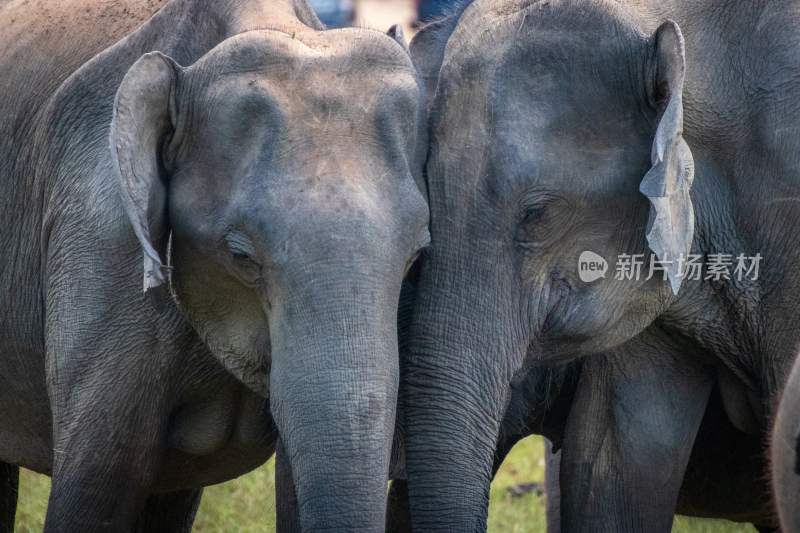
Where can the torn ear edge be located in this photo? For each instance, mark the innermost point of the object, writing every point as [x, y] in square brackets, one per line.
[142, 121]
[667, 184]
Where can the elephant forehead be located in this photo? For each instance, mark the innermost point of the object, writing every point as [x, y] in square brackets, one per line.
[342, 75]
[523, 90]
[368, 56]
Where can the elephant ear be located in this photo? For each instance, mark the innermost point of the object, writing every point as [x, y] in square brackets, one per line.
[141, 125]
[396, 32]
[667, 185]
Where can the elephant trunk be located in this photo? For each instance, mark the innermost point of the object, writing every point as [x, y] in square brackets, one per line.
[453, 395]
[333, 390]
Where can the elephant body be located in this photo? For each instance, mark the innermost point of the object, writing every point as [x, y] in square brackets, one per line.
[132, 401]
[207, 402]
[562, 127]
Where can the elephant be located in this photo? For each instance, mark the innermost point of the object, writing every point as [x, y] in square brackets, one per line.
[558, 127]
[209, 209]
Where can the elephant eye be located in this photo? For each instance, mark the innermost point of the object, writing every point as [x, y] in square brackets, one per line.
[242, 252]
[239, 244]
[532, 230]
[542, 222]
[240, 256]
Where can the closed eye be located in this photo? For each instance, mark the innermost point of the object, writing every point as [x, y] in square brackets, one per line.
[543, 221]
[243, 253]
[240, 255]
[239, 245]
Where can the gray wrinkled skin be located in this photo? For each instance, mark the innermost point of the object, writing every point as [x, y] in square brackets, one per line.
[281, 160]
[724, 475]
[544, 117]
[785, 453]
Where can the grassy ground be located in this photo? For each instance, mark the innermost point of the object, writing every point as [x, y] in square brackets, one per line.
[245, 505]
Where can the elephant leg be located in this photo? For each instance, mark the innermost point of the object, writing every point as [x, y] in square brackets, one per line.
[552, 473]
[9, 488]
[287, 510]
[171, 512]
[629, 437]
[97, 487]
[110, 423]
[398, 518]
[102, 476]
[115, 370]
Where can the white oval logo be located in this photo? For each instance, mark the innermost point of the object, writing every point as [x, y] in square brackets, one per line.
[591, 267]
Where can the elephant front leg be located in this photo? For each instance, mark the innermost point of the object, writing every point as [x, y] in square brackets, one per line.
[105, 462]
[111, 406]
[9, 488]
[100, 484]
[629, 437]
[287, 510]
[172, 512]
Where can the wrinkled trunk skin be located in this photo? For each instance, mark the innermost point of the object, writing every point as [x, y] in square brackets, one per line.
[454, 387]
[333, 391]
[785, 454]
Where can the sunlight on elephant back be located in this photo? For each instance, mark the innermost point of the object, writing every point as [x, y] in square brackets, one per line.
[246, 504]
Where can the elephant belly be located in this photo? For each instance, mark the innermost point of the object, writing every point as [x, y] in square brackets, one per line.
[218, 439]
[726, 477]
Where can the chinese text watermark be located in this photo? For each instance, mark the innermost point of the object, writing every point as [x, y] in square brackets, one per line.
[707, 267]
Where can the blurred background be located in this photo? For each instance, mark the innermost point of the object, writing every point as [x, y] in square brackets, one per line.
[247, 504]
[379, 14]
[382, 14]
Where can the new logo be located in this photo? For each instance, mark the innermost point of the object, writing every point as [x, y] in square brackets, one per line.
[591, 267]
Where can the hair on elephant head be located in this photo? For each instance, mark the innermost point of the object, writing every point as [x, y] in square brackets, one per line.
[280, 170]
[556, 130]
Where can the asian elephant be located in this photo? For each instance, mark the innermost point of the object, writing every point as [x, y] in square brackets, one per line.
[559, 127]
[257, 177]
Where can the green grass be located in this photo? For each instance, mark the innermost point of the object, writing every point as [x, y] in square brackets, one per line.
[246, 505]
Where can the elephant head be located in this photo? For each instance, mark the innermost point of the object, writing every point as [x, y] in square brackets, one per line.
[272, 185]
[556, 129]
